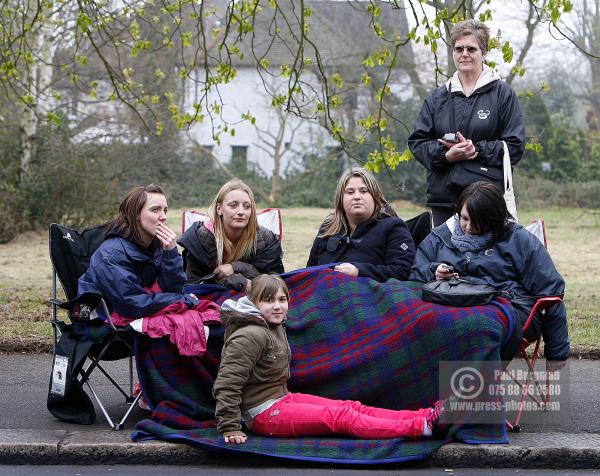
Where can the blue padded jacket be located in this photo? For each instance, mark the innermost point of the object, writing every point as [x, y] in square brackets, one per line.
[120, 271]
[518, 264]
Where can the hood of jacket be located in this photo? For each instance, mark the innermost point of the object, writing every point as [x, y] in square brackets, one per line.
[240, 313]
[132, 250]
[487, 76]
[199, 241]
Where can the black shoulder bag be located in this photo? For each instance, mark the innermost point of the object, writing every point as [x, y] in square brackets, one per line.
[458, 292]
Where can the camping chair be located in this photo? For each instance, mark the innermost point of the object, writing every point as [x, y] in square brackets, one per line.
[270, 218]
[86, 339]
[537, 228]
[419, 227]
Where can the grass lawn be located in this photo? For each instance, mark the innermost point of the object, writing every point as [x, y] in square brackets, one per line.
[573, 242]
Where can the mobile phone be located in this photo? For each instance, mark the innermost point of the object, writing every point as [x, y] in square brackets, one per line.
[450, 137]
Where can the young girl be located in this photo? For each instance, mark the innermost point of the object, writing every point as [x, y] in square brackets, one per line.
[251, 386]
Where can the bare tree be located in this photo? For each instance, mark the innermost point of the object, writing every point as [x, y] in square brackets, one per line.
[277, 143]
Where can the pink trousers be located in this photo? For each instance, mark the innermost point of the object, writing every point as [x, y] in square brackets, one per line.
[299, 414]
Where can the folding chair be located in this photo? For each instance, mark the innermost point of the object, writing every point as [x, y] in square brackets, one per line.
[419, 227]
[269, 218]
[86, 339]
[537, 228]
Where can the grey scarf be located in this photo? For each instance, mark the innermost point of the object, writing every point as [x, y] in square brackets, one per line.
[465, 242]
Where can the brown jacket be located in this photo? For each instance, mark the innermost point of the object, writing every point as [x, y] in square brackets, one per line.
[255, 367]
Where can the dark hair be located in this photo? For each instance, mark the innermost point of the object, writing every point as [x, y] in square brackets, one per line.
[265, 287]
[486, 207]
[126, 223]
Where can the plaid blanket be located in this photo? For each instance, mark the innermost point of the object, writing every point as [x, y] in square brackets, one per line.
[351, 338]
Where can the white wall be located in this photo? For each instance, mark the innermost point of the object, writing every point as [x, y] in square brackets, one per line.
[246, 93]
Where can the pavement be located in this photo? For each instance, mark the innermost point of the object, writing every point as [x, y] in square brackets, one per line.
[29, 434]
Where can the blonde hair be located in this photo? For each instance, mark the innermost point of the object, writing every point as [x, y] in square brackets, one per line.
[265, 287]
[337, 222]
[246, 244]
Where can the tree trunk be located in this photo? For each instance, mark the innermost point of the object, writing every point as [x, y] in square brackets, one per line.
[40, 80]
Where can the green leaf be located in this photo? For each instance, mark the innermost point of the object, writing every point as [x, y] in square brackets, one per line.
[28, 99]
[533, 146]
[54, 119]
[186, 38]
[507, 52]
[406, 155]
[337, 80]
[84, 22]
[567, 7]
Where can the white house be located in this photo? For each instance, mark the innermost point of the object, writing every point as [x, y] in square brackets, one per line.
[343, 36]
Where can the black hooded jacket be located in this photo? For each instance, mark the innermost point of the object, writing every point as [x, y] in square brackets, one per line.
[381, 248]
[490, 115]
[200, 257]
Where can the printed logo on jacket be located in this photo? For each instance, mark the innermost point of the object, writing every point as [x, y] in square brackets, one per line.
[483, 113]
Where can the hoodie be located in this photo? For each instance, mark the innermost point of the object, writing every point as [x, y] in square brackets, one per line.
[255, 363]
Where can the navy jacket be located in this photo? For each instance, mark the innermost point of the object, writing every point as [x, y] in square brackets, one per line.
[518, 264]
[490, 115]
[381, 248]
[119, 271]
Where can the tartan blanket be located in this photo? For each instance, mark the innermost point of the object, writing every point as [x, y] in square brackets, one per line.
[351, 338]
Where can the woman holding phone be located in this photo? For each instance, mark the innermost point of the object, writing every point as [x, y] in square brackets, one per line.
[459, 131]
[482, 242]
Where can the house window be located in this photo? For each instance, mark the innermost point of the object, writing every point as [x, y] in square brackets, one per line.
[239, 158]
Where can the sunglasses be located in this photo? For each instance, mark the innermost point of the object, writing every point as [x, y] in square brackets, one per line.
[470, 49]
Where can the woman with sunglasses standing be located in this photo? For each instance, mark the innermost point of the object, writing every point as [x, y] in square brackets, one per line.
[459, 132]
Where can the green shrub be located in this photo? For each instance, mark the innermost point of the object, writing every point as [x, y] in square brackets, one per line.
[540, 192]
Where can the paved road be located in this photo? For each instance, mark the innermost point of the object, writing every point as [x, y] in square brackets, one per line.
[24, 390]
[30, 435]
[24, 387]
[213, 470]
